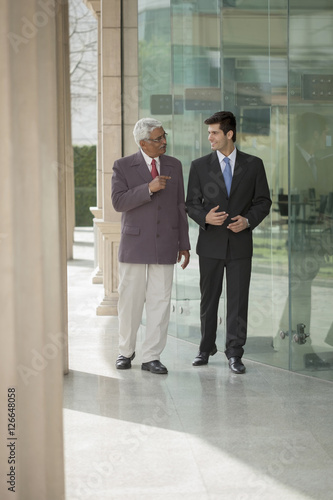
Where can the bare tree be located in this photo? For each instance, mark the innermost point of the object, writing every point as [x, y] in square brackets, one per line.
[83, 71]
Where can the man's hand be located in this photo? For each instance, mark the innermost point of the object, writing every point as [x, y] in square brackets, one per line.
[216, 218]
[186, 255]
[239, 225]
[158, 183]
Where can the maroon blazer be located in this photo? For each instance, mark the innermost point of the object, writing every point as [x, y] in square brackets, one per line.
[153, 227]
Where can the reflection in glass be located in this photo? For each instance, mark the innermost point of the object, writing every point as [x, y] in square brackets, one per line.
[311, 182]
[248, 57]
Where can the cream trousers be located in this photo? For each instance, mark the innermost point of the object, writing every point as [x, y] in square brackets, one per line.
[140, 284]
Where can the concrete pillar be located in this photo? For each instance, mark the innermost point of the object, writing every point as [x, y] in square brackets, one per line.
[111, 239]
[99, 162]
[32, 341]
[130, 74]
[66, 127]
[118, 112]
[111, 144]
[65, 161]
[97, 277]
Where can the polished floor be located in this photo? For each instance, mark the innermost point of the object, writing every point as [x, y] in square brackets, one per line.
[196, 433]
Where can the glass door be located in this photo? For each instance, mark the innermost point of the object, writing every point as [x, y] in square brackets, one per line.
[270, 63]
[197, 93]
[255, 88]
[233, 56]
[311, 188]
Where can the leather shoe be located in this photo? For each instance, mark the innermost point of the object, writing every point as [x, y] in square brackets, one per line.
[202, 357]
[154, 367]
[236, 365]
[124, 363]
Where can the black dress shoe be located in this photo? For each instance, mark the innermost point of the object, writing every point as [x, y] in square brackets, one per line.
[202, 357]
[124, 363]
[236, 365]
[154, 367]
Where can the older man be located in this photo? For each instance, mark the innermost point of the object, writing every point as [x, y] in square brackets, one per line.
[148, 188]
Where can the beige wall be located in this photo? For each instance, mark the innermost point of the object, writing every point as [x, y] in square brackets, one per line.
[33, 244]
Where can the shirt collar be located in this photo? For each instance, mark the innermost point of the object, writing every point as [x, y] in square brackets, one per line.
[148, 159]
[232, 158]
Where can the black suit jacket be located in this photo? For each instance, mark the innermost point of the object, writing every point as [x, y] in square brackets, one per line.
[249, 197]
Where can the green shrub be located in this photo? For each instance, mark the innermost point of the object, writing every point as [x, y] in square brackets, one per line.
[85, 184]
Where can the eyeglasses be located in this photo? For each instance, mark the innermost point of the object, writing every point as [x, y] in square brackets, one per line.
[158, 139]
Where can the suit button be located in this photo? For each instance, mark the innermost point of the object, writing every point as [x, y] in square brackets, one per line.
[159, 208]
[157, 236]
[158, 222]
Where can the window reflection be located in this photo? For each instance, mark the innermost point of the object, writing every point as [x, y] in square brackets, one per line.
[197, 57]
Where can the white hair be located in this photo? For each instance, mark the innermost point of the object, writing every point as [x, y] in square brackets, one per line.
[143, 129]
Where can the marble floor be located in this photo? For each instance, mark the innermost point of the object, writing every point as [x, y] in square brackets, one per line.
[196, 433]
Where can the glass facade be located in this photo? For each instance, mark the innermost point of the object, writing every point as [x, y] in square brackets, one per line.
[270, 62]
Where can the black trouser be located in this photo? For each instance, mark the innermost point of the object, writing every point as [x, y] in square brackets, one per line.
[238, 274]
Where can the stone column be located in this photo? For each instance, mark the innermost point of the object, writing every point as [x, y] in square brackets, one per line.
[31, 354]
[119, 105]
[130, 74]
[66, 139]
[97, 277]
[99, 163]
[65, 161]
[118, 112]
[111, 144]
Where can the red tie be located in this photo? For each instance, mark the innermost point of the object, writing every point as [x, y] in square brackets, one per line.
[154, 172]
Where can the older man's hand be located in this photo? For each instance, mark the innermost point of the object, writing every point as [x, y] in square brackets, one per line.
[186, 255]
[158, 183]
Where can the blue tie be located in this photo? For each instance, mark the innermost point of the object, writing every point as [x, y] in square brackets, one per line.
[227, 174]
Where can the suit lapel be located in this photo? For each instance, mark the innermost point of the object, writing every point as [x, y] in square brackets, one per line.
[215, 172]
[239, 172]
[141, 167]
[217, 175]
[164, 167]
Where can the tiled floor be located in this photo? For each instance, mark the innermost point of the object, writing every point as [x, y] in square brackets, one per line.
[198, 432]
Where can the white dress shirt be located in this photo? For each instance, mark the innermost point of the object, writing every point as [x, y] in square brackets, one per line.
[232, 159]
[148, 160]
